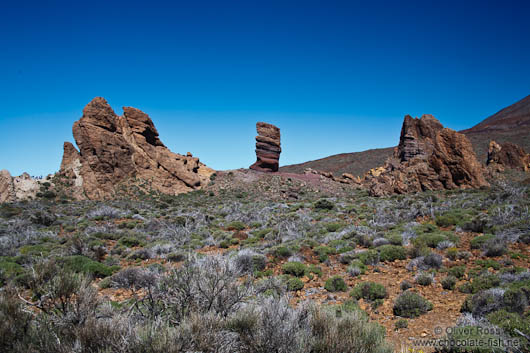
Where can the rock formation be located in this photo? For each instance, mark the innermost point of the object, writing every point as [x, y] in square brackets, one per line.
[508, 155]
[22, 187]
[428, 157]
[268, 148]
[7, 187]
[117, 150]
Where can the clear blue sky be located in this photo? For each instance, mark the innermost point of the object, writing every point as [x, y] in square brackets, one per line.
[335, 76]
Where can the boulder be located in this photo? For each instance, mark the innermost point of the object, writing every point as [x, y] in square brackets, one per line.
[508, 155]
[268, 148]
[7, 187]
[118, 151]
[428, 157]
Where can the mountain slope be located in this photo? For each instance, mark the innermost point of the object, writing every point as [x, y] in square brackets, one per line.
[356, 163]
[511, 124]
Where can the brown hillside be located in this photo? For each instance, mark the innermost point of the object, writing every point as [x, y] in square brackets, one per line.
[356, 163]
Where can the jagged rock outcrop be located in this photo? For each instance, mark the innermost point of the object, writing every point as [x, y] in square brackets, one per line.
[508, 155]
[268, 148]
[117, 150]
[22, 187]
[428, 157]
[7, 187]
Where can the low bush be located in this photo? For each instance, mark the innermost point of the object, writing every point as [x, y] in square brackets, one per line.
[323, 204]
[392, 253]
[457, 271]
[296, 269]
[335, 284]
[294, 284]
[424, 279]
[83, 264]
[478, 242]
[449, 283]
[368, 257]
[405, 285]
[401, 323]
[369, 291]
[410, 305]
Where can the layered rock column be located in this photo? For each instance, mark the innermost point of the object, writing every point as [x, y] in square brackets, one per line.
[268, 148]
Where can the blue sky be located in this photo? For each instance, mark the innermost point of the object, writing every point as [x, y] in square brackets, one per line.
[335, 76]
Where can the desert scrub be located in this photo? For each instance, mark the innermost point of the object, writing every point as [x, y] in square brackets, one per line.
[424, 279]
[401, 323]
[479, 241]
[83, 264]
[333, 227]
[323, 252]
[294, 284]
[281, 252]
[392, 253]
[457, 271]
[368, 257]
[449, 282]
[369, 291]
[411, 305]
[236, 225]
[323, 204]
[294, 268]
[335, 284]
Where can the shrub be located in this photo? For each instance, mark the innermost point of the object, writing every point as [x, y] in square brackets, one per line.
[368, 257]
[333, 227]
[335, 284]
[484, 282]
[296, 269]
[356, 268]
[323, 251]
[83, 264]
[484, 302]
[282, 252]
[457, 271]
[392, 253]
[315, 269]
[494, 247]
[294, 284]
[405, 285]
[478, 242]
[369, 291]
[424, 279]
[323, 204]
[449, 282]
[433, 260]
[452, 253]
[515, 300]
[513, 324]
[236, 225]
[401, 323]
[410, 305]
[130, 241]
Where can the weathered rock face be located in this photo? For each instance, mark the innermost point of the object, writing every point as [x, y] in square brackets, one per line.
[118, 149]
[7, 187]
[508, 155]
[428, 157]
[268, 148]
[22, 187]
